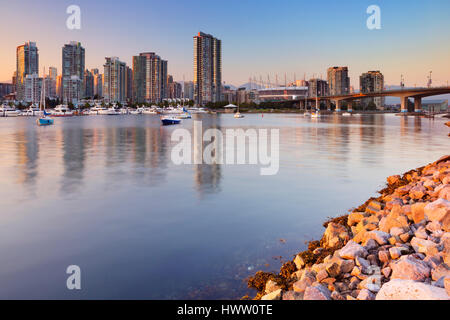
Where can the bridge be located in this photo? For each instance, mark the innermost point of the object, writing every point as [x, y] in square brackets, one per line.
[403, 94]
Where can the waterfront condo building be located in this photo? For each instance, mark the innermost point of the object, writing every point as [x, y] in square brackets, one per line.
[114, 84]
[27, 63]
[88, 84]
[33, 87]
[207, 69]
[338, 81]
[372, 81]
[149, 82]
[188, 90]
[98, 83]
[317, 87]
[73, 62]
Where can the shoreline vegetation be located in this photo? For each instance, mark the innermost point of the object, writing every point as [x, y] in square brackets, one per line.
[393, 247]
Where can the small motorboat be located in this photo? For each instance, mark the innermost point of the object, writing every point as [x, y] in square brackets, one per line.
[346, 114]
[307, 114]
[238, 115]
[62, 111]
[169, 120]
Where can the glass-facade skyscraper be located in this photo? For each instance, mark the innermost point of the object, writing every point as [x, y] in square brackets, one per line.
[27, 63]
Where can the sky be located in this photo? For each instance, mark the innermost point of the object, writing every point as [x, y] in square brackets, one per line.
[260, 38]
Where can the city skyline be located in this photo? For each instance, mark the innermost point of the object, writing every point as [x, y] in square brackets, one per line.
[407, 43]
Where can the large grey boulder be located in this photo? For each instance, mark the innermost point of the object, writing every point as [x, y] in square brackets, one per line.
[398, 289]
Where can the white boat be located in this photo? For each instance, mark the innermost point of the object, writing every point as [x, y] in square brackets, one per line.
[137, 111]
[113, 112]
[61, 111]
[238, 115]
[307, 114]
[346, 114]
[96, 110]
[149, 111]
[7, 111]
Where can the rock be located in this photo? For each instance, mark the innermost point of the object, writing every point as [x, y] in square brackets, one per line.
[389, 222]
[354, 218]
[354, 283]
[292, 295]
[445, 193]
[379, 236]
[333, 269]
[424, 246]
[418, 211]
[395, 253]
[398, 289]
[372, 283]
[321, 275]
[371, 244]
[317, 292]
[434, 226]
[438, 210]
[440, 271]
[276, 295]
[335, 234]
[271, 286]
[383, 256]
[396, 231]
[363, 265]
[336, 296]
[386, 272]
[410, 268]
[299, 263]
[417, 192]
[405, 237]
[393, 179]
[308, 278]
[447, 285]
[421, 233]
[365, 294]
[352, 250]
[346, 266]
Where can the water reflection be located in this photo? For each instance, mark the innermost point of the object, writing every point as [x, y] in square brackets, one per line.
[103, 191]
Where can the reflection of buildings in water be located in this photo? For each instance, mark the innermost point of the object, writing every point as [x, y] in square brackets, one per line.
[27, 156]
[418, 124]
[74, 154]
[372, 136]
[403, 126]
[207, 176]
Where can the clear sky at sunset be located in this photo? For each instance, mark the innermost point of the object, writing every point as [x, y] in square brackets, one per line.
[258, 37]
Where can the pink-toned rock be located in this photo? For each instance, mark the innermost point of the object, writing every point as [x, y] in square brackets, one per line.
[424, 246]
[417, 192]
[275, 295]
[445, 193]
[317, 292]
[383, 256]
[440, 271]
[335, 234]
[418, 211]
[395, 253]
[398, 289]
[271, 286]
[410, 268]
[354, 218]
[308, 278]
[352, 250]
[321, 275]
[379, 236]
[434, 226]
[292, 295]
[365, 294]
[439, 210]
[386, 272]
[391, 221]
[447, 285]
[299, 263]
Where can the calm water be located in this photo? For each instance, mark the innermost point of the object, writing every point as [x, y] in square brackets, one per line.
[102, 193]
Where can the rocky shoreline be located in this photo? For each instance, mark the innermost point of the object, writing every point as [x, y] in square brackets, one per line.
[394, 247]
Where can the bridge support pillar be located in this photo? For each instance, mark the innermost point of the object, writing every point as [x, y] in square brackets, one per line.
[349, 107]
[338, 105]
[404, 104]
[417, 104]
